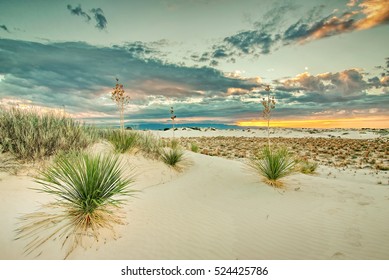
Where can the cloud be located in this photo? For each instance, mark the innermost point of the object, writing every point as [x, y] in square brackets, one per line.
[101, 21]
[78, 12]
[81, 76]
[5, 28]
[367, 14]
[98, 14]
[272, 31]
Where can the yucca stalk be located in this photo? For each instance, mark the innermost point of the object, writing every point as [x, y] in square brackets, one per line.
[268, 104]
[273, 165]
[89, 190]
[121, 99]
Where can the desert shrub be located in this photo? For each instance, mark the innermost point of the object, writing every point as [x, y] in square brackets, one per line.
[194, 147]
[89, 190]
[307, 167]
[30, 135]
[122, 141]
[172, 156]
[273, 165]
[149, 145]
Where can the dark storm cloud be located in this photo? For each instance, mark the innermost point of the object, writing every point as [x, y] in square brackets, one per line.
[80, 76]
[101, 21]
[4, 27]
[78, 11]
[98, 14]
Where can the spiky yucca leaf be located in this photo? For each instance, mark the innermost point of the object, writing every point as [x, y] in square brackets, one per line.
[172, 156]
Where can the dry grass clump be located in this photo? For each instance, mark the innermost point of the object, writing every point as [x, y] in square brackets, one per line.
[89, 190]
[273, 165]
[7, 162]
[29, 135]
[194, 147]
[149, 145]
[307, 167]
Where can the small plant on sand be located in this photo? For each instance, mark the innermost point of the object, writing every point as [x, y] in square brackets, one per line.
[172, 156]
[121, 99]
[268, 104]
[273, 165]
[307, 167]
[194, 147]
[89, 190]
[123, 141]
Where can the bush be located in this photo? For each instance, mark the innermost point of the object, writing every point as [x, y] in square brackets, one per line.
[172, 156]
[29, 135]
[307, 167]
[122, 141]
[194, 148]
[149, 145]
[88, 189]
[273, 165]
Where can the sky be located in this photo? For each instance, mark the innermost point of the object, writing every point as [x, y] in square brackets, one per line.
[326, 62]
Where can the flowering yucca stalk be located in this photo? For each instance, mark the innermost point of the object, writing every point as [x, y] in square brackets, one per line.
[172, 117]
[268, 104]
[121, 99]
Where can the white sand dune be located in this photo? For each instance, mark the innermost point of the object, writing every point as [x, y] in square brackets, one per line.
[218, 209]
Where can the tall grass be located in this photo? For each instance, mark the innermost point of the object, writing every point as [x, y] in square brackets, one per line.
[29, 135]
[122, 141]
[149, 145]
[273, 165]
[88, 189]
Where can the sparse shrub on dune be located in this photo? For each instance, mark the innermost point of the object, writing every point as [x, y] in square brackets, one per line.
[307, 167]
[122, 141]
[89, 190]
[273, 165]
[194, 147]
[172, 156]
[149, 145]
[30, 135]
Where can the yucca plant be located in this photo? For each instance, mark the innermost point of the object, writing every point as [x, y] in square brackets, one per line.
[123, 141]
[273, 165]
[89, 190]
[172, 156]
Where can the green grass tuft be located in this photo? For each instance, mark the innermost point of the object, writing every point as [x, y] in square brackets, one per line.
[172, 156]
[194, 147]
[122, 141]
[30, 135]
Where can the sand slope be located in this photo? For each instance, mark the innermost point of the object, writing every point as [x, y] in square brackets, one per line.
[218, 209]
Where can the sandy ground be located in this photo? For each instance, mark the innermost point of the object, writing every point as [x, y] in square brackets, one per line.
[217, 208]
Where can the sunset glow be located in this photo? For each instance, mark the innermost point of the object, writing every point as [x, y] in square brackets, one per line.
[363, 122]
